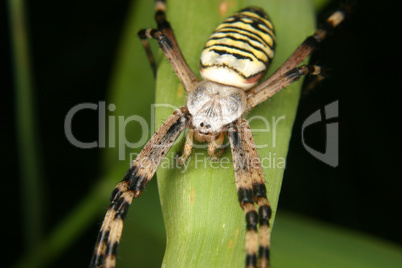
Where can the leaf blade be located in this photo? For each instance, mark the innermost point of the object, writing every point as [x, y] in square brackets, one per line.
[205, 225]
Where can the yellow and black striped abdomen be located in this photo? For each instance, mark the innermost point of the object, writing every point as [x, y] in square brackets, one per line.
[240, 50]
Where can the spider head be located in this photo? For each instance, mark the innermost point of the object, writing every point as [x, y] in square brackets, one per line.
[214, 105]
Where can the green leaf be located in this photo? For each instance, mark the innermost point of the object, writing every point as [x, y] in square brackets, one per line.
[301, 242]
[204, 223]
[29, 151]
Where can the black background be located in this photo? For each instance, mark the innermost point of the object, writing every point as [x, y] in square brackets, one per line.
[365, 67]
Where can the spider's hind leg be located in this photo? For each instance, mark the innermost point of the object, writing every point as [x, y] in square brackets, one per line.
[167, 41]
[145, 35]
[283, 81]
[304, 50]
[314, 82]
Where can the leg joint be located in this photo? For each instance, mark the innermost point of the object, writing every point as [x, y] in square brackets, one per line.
[265, 213]
[260, 190]
[245, 195]
[251, 219]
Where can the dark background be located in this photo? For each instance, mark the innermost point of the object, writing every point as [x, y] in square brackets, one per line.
[365, 67]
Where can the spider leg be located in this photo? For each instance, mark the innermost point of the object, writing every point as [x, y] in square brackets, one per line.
[313, 83]
[260, 195]
[188, 146]
[304, 50]
[245, 192]
[282, 82]
[214, 145]
[142, 34]
[132, 185]
[167, 41]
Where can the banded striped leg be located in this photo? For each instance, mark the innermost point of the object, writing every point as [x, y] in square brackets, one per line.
[167, 41]
[313, 83]
[282, 82]
[142, 34]
[302, 52]
[260, 195]
[245, 192]
[134, 182]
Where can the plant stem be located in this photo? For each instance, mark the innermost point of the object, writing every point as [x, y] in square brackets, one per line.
[29, 156]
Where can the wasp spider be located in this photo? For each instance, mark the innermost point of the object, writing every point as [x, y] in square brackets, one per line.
[234, 59]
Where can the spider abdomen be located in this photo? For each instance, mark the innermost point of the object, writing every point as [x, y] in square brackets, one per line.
[240, 50]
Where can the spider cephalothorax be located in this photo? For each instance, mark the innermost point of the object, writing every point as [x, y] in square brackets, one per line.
[214, 105]
[234, 59]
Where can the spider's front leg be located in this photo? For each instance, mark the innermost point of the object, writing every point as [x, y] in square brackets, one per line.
[260, 195]
[137, 177]
[251, 188]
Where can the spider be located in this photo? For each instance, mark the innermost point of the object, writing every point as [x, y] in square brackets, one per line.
[234, 59]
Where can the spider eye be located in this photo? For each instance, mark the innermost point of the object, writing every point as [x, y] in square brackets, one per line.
[202, 124]
[208, 126]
